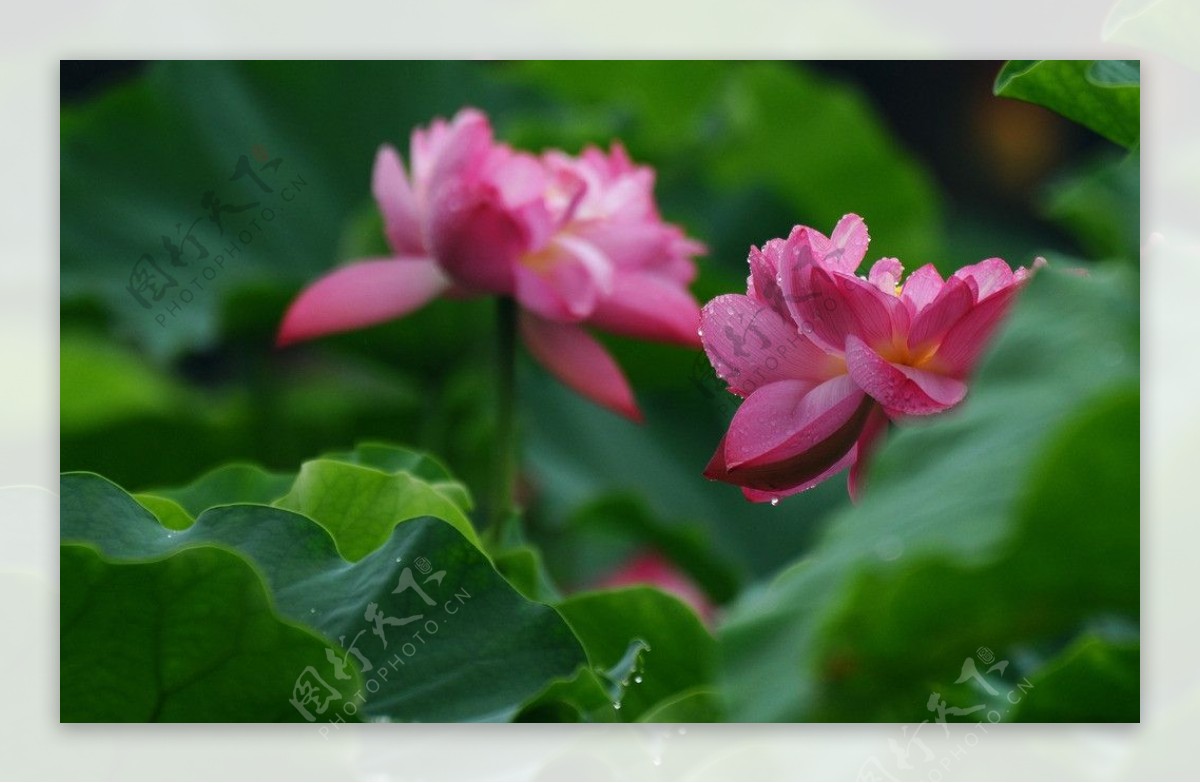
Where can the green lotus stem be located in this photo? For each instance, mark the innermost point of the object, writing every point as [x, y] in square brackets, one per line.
[505, 476]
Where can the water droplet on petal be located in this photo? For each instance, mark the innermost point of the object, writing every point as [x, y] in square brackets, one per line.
[774, 501]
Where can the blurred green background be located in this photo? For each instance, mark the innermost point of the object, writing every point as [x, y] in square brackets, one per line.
[942, 171]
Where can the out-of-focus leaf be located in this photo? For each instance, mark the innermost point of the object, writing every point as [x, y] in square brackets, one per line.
[118, 383]
[359, 506]
[962, 537]
[192, 637]
[1104, 96]
[1093, 681]
[255, 168]
[1100, 206]
[436, 632]
[814, 141]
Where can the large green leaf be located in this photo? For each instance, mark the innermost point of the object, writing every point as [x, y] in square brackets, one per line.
[678, 652]
[233, 483]
[359, 506]
[1104, 95]
[442, 637]
[966, 527]
[192, 637]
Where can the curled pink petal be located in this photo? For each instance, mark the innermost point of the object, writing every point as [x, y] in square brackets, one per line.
[966, 340]
[749, 345]
[877, 316]
[767, 496]
[932, 322]
[987, 277]
[575, 358]
[816, 443]
[901, 388]
[885, 274]
[847, 245]
[361, 294]
[868, 443]
[921, 288]
[817, 304]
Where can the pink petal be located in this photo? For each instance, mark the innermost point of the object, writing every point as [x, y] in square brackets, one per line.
[629, 244]
[987, 277]
[868, 443]
[764, 496]
[885, 275]
[847, 245]
[651, 568]
[649, 307]
[461, 151]
[564, 281]
[763, 283]
[476, 239]
[921, 288]
[816, 302]
[821, 428]
[576, 359]
[932, 323]
[397, 204]
[361, 294]
[966, 340]
[876, 314]
[750, 345]
[898, 387]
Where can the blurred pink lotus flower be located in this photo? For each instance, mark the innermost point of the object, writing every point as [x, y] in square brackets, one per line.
[824, 358]
[577, 241]
[654, 570]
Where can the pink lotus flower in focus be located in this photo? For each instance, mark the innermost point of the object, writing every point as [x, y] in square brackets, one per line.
[654, 570]
[825, 358]
[576, 241]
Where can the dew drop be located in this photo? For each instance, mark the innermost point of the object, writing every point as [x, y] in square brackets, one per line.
[774, 501]
[616, 705]
[638, 679]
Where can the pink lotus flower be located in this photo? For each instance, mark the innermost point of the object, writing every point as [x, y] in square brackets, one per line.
[652, 569]
[824, 358]
[577, 241]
